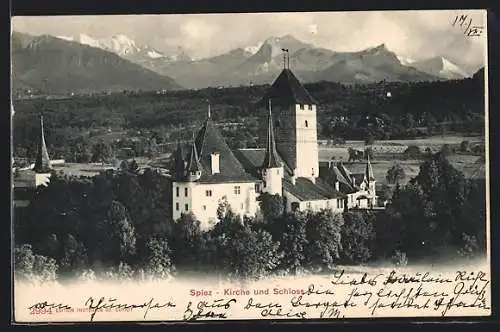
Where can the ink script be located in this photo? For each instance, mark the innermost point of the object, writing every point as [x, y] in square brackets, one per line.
[465, 23]
[335, 296]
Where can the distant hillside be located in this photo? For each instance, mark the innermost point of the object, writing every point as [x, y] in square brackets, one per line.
[52, 65]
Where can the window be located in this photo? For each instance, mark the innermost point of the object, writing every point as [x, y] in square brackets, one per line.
[204, 207]
[257, 189]
[177, 191]
[186, 207]
[186, 192]
[237, 190]
[208, 193]
[310, 107]
[176, 206]
[278, 171]
[301, 106]
[242, 206]
[306, 124]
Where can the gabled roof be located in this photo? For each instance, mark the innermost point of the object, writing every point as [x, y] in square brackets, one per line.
[334, 173]
[287, 90]
[42, 162]
[305, 190]
[209, 140]
[271, 159]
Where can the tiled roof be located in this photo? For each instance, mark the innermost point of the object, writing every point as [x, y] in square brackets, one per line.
[252, 159]
[305, 190]
[332, 174]
[209, 140]
[287, 90]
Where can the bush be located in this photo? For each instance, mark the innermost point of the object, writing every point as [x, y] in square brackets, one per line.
[470, 248]
[413, 152]
[399, 259]
[395, 174]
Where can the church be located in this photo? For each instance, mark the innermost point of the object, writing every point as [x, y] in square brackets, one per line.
[287, 164]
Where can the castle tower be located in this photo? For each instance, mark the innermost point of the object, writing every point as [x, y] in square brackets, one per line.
[272, 169]
[294, 112]
[42, 167]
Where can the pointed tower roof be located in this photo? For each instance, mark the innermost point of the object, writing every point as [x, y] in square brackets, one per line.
[271, 159]
[287, 90]
[369, 170]
[193, 160]
[179, 166]
[42, 162]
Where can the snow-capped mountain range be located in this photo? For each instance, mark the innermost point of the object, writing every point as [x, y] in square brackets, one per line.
[125, 47]
[260, 62]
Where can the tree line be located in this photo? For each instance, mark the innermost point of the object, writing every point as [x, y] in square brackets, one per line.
[117, 225]
[345, 112]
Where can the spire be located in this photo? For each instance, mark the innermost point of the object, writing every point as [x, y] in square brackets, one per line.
[369, 170]
[271, 157]
[209, 110]
[193, 160]
[42, 162]
[179, 161]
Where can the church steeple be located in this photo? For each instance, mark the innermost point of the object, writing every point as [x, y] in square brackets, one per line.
[369, 170]
[271, 158]
[42, 162]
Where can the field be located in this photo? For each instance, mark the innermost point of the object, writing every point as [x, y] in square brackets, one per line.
[388, 153]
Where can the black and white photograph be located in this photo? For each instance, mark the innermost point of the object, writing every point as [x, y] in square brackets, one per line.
[287, 165]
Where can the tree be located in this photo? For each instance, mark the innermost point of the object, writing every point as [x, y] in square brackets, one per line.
[117, 234]
[293, 241]
[102, 152]
[223, 208]
[30, 266]
[446, 150]
[465, 146]
[133, 166]
[357, 235]
[323, 238]
[186, 240]
[430, 122]
[413, 152]
[74, 256]
[158, 260]
[369, 139]
[237, 250]
[395, 174]
[271, 205]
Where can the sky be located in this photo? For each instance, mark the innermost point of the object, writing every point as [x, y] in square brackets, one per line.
[414, 34]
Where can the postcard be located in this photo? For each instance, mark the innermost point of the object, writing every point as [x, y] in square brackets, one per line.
[251, 166]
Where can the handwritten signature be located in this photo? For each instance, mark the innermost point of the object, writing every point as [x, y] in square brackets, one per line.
[465, 22]
[205, 309]
[111, 303]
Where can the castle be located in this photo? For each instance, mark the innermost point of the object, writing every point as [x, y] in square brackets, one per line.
[288, 165]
